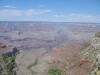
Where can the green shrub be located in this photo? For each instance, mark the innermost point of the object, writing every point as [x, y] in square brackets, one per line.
[97, 34]
[55, 71]
[4, 57]
[11, 64]
[8, 64]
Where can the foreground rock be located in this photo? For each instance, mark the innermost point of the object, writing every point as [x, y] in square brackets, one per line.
[93, 52]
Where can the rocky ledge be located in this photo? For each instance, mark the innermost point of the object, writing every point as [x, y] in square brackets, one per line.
[93, 52]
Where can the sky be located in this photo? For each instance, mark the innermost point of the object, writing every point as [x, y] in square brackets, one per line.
[50, 10]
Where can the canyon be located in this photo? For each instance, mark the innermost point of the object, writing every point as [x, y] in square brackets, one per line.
[39, 46]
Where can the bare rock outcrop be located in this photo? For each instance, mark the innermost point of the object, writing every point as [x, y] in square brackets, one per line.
[93, 52]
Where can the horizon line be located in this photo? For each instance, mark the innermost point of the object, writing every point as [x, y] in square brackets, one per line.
[50, 21]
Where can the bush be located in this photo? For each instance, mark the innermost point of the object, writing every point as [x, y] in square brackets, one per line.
[4, 57]
[7, 64]
[97, 34]
[55, 71]
[11, 64]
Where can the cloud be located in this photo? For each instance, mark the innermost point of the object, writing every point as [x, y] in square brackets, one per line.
[60, 16]
[38, 14]
[85, 16]
[9, 7]
[15, 13]
[7, 13]
[37, 11]
[77, 18]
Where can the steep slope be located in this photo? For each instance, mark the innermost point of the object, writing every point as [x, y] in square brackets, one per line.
[93, 52]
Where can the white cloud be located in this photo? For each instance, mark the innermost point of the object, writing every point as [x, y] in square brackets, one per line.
[7, 12]
[9, 7]
[85, 16]
[77, 18]
[15, 13]
[37, 11]
[60, 16]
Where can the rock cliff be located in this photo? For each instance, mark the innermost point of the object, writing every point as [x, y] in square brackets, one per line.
[93, 52]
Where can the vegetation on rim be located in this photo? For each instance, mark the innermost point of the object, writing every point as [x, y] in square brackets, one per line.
[97, 34]
[7, 64]
[55, 71]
